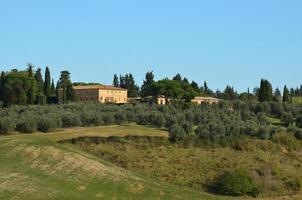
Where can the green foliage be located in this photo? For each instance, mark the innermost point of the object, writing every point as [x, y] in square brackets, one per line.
[299, 121]
[47, 83]
[66, 85]
[109, 119]
[71, 120]
[148, 84]
[286, 97]
[287, 119]
[176, 133]
[7, 125]
[287, 140]
[27, 125]
[236, 183]
[128, 83]
[47, 124]
[115, 81]
[265, 91]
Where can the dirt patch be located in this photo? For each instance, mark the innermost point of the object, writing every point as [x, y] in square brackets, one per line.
[136, 188]
[21, 186]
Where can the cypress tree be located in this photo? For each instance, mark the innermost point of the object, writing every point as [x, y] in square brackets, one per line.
[286, 97]
[52, 88]
[39, 79]
[47, 86]
[1, 85]
[30, 93]
[265, 91]
[115, 81]
[66, 85]
[146, 89]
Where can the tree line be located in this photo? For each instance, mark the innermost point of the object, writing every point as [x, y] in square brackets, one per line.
[29, 86]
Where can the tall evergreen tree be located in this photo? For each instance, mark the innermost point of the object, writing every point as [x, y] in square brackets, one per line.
[1, 86]
[133, 89]
[31, 93]
[229, 93]
[265, 91]
[147, 87]
[286, 96]
[177, 77]
[122, 82]
[66, 85]
[195, 87]
[47, 83]
[52, 88]
[277, 95]
[39, 80]
[115, 81]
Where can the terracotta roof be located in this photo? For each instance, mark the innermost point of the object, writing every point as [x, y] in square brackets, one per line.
[99, 87]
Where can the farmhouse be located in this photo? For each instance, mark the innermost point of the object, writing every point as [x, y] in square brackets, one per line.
[207, 100]
[100, 93]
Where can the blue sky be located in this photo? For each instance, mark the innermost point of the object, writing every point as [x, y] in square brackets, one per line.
[235, 42]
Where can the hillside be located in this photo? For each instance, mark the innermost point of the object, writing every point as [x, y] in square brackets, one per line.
[35, 166]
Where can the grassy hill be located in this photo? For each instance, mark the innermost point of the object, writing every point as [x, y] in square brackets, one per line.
[36, 166]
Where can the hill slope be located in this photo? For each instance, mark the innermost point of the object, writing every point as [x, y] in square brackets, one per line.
[37, 167]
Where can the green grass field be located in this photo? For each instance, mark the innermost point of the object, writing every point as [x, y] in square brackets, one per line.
[36, 166]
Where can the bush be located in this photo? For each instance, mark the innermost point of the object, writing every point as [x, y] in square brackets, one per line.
[70, 120]
[188, 127]
[47, 124]
[285, 139]
[120, 117]
[27, 126]
[158, 120]
[108, 119]
[287, 119]
[98, 120]
[299, 121]
[176, 133]
[235, 183]
[87, 118]
[7, 125]
[263, 133]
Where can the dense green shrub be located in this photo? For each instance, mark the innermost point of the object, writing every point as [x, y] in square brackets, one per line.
[109, 119]
[176, 133]
[98, 120]
[47, 124]
[28, 125]
[87, 118]
[188, 127]
[235, 183]
[287, 119]
[263, 133]
[158, 120]
[71, 120]
[120, 117]
[299, 121]
[7, 125]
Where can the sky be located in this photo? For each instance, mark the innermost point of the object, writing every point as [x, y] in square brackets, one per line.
[235, 42]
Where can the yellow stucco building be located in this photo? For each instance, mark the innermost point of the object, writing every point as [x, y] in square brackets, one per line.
[100, 93]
